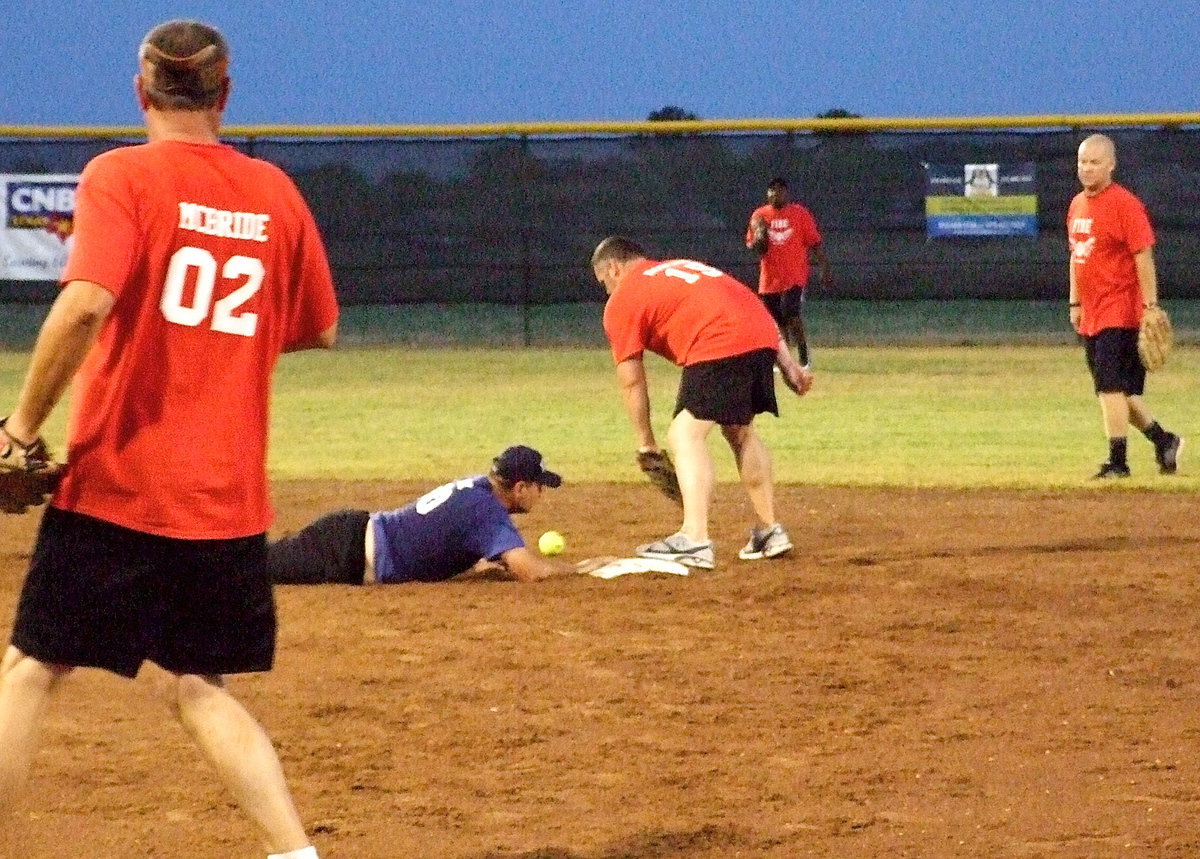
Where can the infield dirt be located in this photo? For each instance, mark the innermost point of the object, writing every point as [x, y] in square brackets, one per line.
[929, 674]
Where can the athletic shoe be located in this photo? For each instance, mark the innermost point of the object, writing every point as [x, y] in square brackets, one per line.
[1110, 471]
[681, 549]
[767, 543]
[1167, 454]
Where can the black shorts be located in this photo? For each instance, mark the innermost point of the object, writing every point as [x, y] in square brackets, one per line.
[729, 391]
[784, 306]
[1112, 358]
[104, 596]
[329, 551]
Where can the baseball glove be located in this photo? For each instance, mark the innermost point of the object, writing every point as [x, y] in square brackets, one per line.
[28, 473]
[657, 466]
[760, 242]
[1154, 338]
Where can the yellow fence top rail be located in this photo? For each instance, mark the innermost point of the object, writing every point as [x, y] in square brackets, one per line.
[534, 129]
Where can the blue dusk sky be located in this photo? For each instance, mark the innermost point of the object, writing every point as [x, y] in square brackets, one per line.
[487, 61]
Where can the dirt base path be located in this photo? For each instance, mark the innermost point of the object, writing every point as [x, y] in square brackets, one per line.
[930, 673]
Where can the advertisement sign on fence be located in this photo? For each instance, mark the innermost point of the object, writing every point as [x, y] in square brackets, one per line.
[980, 200]
[39, 217]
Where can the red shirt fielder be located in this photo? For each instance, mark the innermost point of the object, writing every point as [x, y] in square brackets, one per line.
[791, 234]
[1106, 230]
[687, 312]
[217, 268]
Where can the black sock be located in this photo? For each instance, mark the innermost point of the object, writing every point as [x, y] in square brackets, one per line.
[1157, 435]
[1116, 451]
[802, 348]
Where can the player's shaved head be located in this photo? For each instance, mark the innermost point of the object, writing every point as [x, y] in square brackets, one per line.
[1100, 144]
[1096, 163]
[184, 66]
[617, 249]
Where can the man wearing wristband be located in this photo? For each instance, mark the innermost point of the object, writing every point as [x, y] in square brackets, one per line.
[1112, 282]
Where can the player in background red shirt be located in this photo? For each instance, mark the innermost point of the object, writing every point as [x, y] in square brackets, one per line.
[784, 233]
[714, 327]
[1112, 280]
[193, 268]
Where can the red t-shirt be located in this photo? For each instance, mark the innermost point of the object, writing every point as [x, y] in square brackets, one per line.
[791, 233]
[217, 267]
[1104, 232]
[687, 312]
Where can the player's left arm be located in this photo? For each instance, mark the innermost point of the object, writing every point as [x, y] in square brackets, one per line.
[1147, 277]
[66, 336]
[818, 252]
[324, 340]
[635, 392]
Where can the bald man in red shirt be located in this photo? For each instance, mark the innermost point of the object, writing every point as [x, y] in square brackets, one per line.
[1112, 281]
[717, 330]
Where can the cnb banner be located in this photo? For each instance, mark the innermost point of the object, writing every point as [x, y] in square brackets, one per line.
[39, 217]
[980, 200]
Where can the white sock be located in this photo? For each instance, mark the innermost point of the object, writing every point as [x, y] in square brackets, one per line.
[309, 852]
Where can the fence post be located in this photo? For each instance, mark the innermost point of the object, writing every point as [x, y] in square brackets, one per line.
[526, 249]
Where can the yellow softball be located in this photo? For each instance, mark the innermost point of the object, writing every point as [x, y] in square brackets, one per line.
[551, 543]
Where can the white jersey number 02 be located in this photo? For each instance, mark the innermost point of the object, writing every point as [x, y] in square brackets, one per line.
[225, 317]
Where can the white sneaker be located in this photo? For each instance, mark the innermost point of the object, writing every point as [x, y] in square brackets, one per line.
[681, 549]
[767, 543]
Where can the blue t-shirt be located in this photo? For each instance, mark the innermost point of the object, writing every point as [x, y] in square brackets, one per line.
[442, 533]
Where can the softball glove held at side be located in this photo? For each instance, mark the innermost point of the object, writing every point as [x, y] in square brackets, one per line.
[28, 473]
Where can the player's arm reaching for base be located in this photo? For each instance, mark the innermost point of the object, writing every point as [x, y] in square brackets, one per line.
[524, 565]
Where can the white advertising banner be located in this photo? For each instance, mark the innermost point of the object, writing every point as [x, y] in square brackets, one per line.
[39, 217]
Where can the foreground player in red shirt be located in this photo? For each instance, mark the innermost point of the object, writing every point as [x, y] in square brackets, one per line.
[717, 330]
[1112, 280]
[193, 268]
[783, 233]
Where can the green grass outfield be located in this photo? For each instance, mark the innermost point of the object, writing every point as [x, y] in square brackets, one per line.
[836, 323]
[982, 416]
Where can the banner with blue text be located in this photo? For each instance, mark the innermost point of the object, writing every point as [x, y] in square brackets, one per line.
[980, 200]
[39, 218]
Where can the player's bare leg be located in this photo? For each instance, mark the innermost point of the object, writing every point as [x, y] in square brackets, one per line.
[243, 756]
[1139, 415]
[754, 467]
[1115, 409]
[688, 440]
[26, 687]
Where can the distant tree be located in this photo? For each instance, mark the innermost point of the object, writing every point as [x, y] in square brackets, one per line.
[671, 113]
[838, 113]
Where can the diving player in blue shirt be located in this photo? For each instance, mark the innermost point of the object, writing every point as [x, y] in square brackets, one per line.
[447, 531]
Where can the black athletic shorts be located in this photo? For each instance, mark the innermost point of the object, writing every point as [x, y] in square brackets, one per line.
[1112, 358]
[784, 306]
[104, 596]
[329, 551]
[729, 391]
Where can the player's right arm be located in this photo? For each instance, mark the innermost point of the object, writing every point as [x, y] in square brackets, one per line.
[66, 336]
[524, 565]
[325, 340]
[635, 392]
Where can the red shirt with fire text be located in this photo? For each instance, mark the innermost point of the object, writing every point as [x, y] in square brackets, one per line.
[1105, 231]
[791, 233]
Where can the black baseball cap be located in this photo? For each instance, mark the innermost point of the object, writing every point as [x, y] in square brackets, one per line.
[524, 463]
